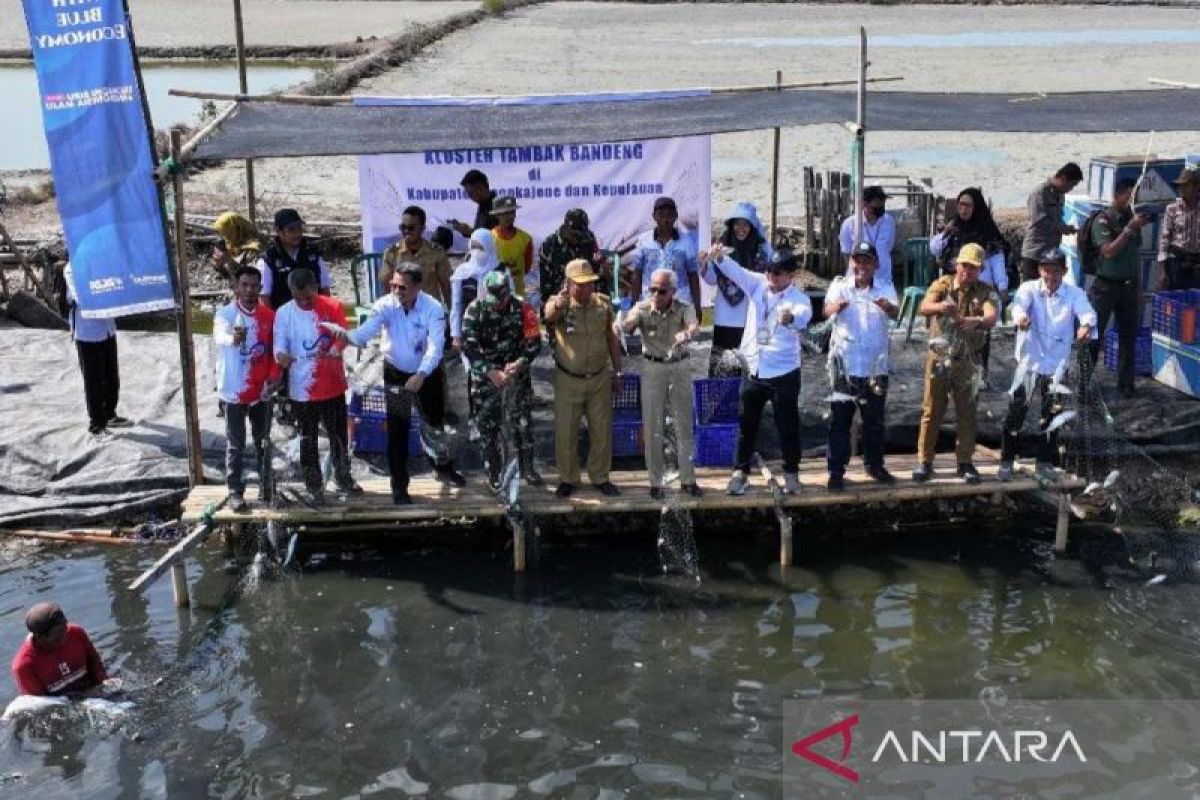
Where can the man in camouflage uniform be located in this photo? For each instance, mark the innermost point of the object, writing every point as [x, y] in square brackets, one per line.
[571, 241]
[501, 339]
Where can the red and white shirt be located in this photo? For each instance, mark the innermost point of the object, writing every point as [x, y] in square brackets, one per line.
[243, 369]
[74, 666]
[318, 372]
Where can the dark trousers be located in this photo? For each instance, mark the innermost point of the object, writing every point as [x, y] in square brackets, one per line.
[236, 415]
[1124, 299]
[331, 415]
[783, 393]
[101, 380]
[1018, 407]
[725, 337]
[431, 404]
[870, 402]
[1182, 273]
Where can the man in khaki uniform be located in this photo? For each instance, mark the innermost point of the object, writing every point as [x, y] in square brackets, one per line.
[587, 361]
[960, 311]
[413, 248]
[666, 325]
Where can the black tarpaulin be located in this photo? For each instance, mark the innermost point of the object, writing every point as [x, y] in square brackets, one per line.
[273, 129]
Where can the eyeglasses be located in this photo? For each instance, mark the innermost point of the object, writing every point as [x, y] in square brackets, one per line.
[660, 290]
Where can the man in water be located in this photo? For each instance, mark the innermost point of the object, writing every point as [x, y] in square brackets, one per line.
[1046, 228]
[57, 658]
[1053, 315]
[960, 310]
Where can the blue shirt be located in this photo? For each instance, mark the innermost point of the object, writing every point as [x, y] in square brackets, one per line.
[678, 254]
[413, 339]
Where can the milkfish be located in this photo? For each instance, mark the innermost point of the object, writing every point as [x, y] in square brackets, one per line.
[1059, 420]
[28, 705]
[1056, 383]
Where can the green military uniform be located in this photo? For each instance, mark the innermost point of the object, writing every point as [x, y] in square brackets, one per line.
[957, 378]
[556, 252]
[497, 333]
[583, 384]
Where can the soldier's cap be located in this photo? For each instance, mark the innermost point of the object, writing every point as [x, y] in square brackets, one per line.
[665, 202]
[580, 271]
[864, 250]
[287, 216]
[504, 205]
[970, 254]
[1189, 175]
[473, 176]
[496, 283]
[1053, 258]
[43, 617]
[576, 219]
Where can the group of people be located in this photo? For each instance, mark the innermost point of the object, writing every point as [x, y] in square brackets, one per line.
[284, 334]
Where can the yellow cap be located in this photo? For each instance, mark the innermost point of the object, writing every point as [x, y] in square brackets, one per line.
[580, 271]
[970, 254]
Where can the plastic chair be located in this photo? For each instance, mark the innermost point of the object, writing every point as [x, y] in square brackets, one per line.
[370, 264]
[918, 274]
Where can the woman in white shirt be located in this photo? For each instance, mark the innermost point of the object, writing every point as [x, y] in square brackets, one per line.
[746, 243]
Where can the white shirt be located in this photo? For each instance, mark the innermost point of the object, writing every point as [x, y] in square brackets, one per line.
[862, 331]
[413, 339]
[85, 329]
[881, 233]
[1053, 321]
[779, 354]
[724, 314]
[993, 272]
[243, 369]
[324, 279]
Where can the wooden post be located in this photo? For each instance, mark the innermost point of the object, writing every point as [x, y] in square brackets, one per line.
[785, 540]
[518, 529]
[240, 41]
[187, 355]
[179, 585]
[861, 161]
[775, 167]
[1064, 519]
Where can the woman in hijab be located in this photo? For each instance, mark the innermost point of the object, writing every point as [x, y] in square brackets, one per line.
[239, 245]
[745, 243]
[973, 224]
[466, 278]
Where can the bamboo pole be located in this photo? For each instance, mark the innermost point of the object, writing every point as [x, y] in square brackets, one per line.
[861, 154]
[82, 537]
[775, 166]
[191, 144]
[1063, 523]
[179, 585]
[187, 355]
[172, 556]
[244, 88]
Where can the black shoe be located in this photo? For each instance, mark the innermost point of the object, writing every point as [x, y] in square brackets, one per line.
[450, 476]
[881, 475]
[608, 489]
[119, 422]
[97, 430]
[313, 497]
[401, 499]
[836, 483]
[350, 488]
[656, 493]
[450, 418]
[534, 479]
[1126, 392]
[692, 488]
[923, 472]
[564, 490]
[967, 471]
[237, 503]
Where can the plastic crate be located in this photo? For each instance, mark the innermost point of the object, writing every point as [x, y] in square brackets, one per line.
[368, 425]
[1142, 363]
[1174, 315]
[1157, 185]
[715, 400]
[1176, 365]
[627, 403]
[716, 445]
[627, 438]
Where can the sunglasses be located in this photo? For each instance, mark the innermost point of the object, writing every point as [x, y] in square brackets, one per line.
[660, 290]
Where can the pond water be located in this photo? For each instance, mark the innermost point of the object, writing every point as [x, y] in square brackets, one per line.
[984, 38]
[23, 144]
[438, 673]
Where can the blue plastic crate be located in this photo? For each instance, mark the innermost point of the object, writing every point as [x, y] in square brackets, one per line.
[1176, 365]
[627, 402]
[368, 420]
[716, 445]
[1142, 362]
[1157, 185]
[715, 400]
[1174, 315]
[627, 438]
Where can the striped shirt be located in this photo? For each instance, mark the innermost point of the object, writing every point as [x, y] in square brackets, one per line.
[1180, 228]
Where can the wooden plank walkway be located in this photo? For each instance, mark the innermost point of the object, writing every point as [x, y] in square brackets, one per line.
[433, 500]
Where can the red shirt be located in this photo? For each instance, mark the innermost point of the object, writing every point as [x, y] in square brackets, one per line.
[75, 666]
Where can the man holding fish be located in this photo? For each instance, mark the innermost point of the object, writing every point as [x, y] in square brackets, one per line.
[1051, 316]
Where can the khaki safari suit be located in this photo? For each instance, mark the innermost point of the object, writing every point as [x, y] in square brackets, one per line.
[665, 375]
[951, 371]
[582, 386]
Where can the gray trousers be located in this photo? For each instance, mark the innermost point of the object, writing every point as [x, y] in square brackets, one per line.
[663, 384]
[235, 439]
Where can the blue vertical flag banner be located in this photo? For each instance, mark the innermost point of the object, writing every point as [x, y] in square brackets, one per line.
[100, 155]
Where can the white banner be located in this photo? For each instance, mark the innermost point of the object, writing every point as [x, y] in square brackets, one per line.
[616, 183]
